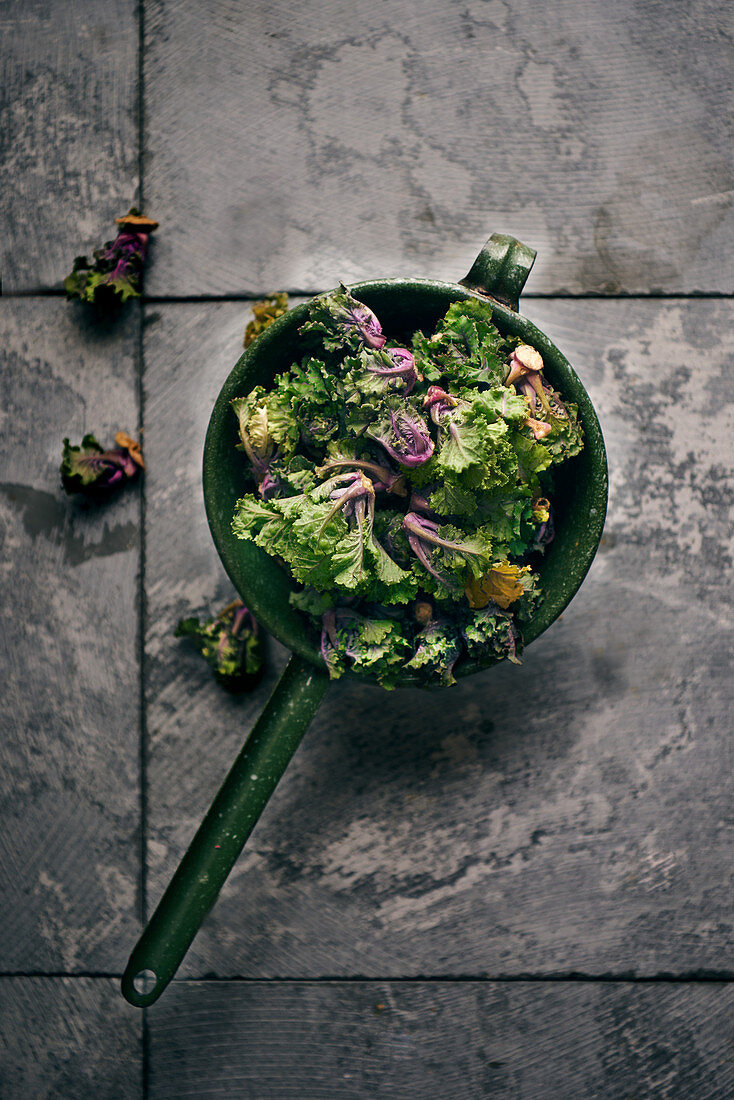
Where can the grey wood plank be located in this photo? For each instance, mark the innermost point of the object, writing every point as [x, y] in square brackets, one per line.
[68, 132]
[69, 787]
[68, 1039]
[193, 724]
[295, 145]
[573, 814]
[557, 1041]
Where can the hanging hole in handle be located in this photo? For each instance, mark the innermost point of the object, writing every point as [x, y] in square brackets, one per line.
[145, 982]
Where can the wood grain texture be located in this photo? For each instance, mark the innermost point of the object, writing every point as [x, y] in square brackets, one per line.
[68, 133]
[562, 1041]
[294, 145]
[193, 724]
[69, 794]
[573, 814]
[68, 1039]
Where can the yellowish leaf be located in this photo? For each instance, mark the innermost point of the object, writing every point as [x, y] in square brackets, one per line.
[500, 584]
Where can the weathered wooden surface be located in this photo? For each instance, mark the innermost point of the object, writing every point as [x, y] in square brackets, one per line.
[571, 815]
[70, 795]
[295, 144]
[558, 1041]
[68, 1039]
[68, 132]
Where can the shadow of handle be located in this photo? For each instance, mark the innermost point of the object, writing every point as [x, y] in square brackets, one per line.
[222, 834]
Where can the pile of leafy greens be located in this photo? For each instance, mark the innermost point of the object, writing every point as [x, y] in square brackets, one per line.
[404, 489]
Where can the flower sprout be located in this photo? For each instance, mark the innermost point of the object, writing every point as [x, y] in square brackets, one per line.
[339, 318]
[264, 313]
[254, 429]
[438, 648]
[438, 402]
[423, 536]
[116, 270]
[545, 531]
[403, 367]
[524, 361]
[335, 621]
[404, 436]
[383, 478]
[420, 502]
[230, 644]
[357, 318]
[94, 472]
[354, 496]
[539, 428]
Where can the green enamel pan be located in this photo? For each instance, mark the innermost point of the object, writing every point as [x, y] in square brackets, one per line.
[580, 498]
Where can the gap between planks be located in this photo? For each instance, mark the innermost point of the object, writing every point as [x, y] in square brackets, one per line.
[537, 296]
[703, 977]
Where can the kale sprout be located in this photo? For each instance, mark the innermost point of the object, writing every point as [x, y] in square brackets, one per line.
[96, 473]
[404, 435]
[265, 312]
[231, 644]
[116, 270]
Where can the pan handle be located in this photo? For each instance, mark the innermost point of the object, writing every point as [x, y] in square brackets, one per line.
[501, 269]
[222, 834]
